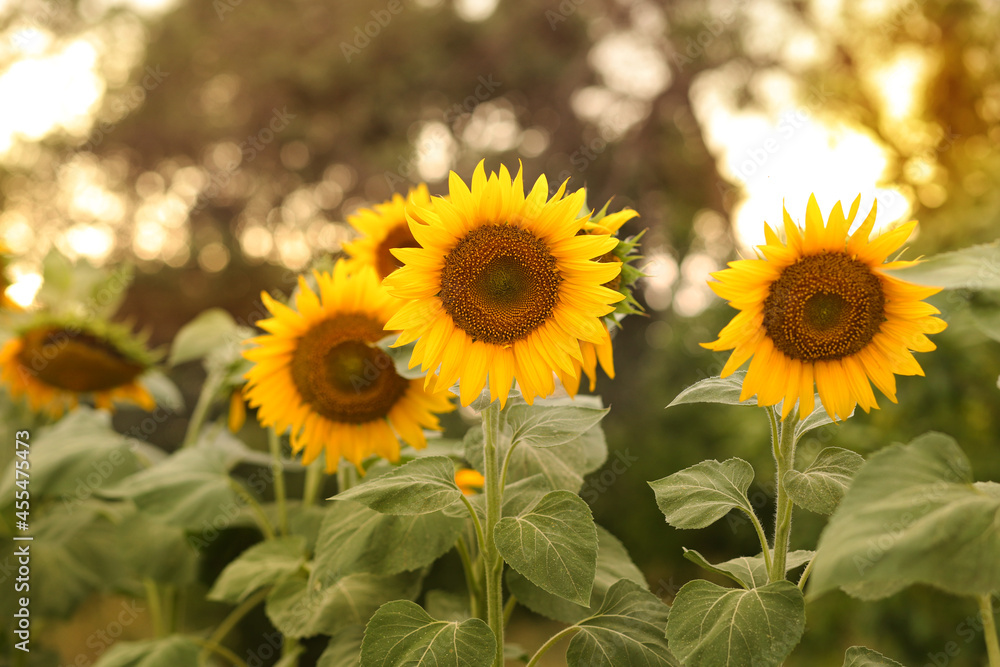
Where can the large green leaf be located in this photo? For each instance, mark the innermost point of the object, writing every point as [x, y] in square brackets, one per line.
[563, 466]
[628, 629]
[749, 571]
[154, 550]
[553, 545]
[712, 626]
[820, 487]
[715, 390]
[75, 458]
[201, 335]
[975, 268]
[261, 565]
[913, 515]
[985, 313]
[298, 609]
[859, 656]
[191, 489]
[613, 564]
[550, 425]
[421, 486]
[167, 652]
[354, 538]
[402, 634]
[704, 493]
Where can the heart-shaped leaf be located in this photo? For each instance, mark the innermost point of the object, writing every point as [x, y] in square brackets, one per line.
[704, 493]
[421, 486]
[820, 487]
[402, 634]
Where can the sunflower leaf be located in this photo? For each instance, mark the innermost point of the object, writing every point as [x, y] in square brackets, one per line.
[402, 634]
[166, 652]
[912, 516]
[715, 390]
[712, 626]
[261, 565]
[975, 268]
[344, 649]
[353, 538]
[553, 544]
[859, 656]
[704, 493]
[748, 571]
[421, 486]
[613, 564]
[820, 487]
[626, 630]
[298, 609]
[201, 335]
[550, 426]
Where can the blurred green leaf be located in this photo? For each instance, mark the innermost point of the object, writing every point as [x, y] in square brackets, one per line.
[209, 330]
[626, 630]
[912, 515]
[167, 652]
[299, 610]
[712, 626]
[261, 565]
[553, 544]
[704, 493]
[820, 487]
[859, 656]
[975, 268]
[344, 649]
[402, 634]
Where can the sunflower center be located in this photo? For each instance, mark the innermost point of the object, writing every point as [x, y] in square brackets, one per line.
[824, 307]
[398, 237]
[76, 361]
[499, 283]
[341, 375]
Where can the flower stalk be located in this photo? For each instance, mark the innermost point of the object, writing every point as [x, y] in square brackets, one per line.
[783, 441]
[492, 561]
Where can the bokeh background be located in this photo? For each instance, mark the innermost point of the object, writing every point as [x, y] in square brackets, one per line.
[221, 145]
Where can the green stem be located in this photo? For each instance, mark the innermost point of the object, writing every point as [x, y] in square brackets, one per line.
[169, 608]
[258, 511]
[278, 472]
[219, 650]
[480, 536]
[313, 483]
[550, 643]
[989, 629]
[805, 574]
[508, 609]
[346, 477]
[471, 580]
[288, 645]
[494, 502]
[155, 610]
[763, 539]
[784, 461]
[200, 412]
[235, 616]
[506, 463]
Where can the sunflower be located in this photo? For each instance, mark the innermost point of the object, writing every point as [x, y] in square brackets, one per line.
[54, 363]
[602, 353]
[383, 228]
[502, 287]
[823, 309]
[319, 373]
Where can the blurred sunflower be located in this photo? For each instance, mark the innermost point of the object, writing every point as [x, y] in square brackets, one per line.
[319, 373]
[822, 309]
[469, 481]
[55, 363]
[502, 287]
[383, 228]
[624, 254]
